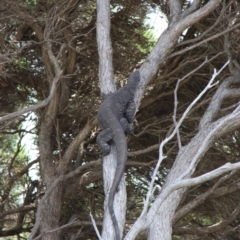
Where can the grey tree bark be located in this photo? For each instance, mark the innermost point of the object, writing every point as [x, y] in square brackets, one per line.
[107, 86]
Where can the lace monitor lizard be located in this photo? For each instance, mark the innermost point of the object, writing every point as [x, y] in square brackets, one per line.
[115, 116]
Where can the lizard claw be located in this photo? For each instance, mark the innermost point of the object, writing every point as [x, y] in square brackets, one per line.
[105, 152]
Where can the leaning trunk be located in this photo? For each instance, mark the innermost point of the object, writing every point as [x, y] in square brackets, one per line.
[50, 209]
[161, 227]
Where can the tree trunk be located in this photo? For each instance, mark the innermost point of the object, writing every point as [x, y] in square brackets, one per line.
[106, 80]
[183, 167]
[51, 210]
[120, 199]
[161, 227]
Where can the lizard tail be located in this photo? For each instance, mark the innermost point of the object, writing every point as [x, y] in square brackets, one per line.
[113, 216]
[121, 148]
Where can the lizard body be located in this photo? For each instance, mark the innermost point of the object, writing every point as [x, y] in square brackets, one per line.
[115, 116]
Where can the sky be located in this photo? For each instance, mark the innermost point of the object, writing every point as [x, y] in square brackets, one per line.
[30, 147]
[157, 21]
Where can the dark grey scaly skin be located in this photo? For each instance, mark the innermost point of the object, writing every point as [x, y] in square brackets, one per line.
[115, 116]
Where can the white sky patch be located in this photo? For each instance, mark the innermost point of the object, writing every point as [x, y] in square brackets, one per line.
[157, 21]
[29, 145]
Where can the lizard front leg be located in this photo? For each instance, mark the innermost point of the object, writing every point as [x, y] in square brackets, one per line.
[103, 139]
[129, 116]
[130, 111]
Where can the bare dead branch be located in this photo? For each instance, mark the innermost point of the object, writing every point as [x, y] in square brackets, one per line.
[198, 180]
[95, 227]
[195, 159]
[176, 98]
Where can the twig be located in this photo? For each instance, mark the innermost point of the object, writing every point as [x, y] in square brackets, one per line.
[175, 114]
[95, 227]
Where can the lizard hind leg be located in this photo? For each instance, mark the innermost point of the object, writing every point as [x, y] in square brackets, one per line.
[103, 139]
[126, 126]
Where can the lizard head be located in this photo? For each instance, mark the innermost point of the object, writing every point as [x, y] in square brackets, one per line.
[134, 79]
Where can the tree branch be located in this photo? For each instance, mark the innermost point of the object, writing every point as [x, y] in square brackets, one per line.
[44, 103]
[104, 47]
[107, 86]
[175, 10]
[166, 42]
